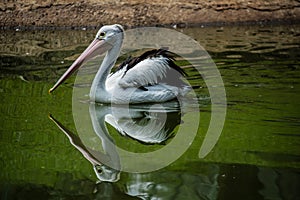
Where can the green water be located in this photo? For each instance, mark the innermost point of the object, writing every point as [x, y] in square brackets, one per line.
[256, 157]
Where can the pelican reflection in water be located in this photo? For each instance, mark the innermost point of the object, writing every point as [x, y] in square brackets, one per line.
[143, 124]
[150, 78]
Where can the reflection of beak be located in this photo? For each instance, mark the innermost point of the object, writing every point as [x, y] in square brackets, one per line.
[97, 47]
[77, 143]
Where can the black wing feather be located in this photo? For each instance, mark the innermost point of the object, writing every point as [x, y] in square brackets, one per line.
[130, 62]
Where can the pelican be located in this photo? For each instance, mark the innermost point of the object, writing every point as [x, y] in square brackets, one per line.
[152, 77]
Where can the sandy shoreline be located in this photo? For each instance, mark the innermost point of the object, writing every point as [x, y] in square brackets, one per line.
[92, 13]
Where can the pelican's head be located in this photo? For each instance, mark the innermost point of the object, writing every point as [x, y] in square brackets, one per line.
[110, 33]
[106, 38]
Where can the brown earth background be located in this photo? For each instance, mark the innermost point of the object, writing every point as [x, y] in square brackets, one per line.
[93, 13]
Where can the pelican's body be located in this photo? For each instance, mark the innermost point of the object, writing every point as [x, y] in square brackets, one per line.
[145, 82]
[152, 77]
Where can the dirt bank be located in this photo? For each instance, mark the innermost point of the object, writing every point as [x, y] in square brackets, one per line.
[67, 13]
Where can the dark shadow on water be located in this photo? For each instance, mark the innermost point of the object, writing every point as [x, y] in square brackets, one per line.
[207, 181]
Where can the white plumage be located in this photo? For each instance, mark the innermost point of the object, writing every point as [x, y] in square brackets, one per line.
[146, 72]
[152, 77]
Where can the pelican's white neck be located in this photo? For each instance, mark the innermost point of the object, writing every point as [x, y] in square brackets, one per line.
[98, 90]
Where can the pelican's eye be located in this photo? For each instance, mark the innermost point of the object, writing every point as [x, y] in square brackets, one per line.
[101, 35]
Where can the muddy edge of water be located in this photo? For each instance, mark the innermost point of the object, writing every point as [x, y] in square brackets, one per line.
[68, 13]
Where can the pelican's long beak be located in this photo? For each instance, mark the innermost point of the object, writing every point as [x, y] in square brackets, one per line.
[97, 47]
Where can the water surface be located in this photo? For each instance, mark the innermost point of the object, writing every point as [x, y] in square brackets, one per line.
[256, 157]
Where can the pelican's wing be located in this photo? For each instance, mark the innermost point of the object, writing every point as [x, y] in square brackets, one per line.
[150, 68]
